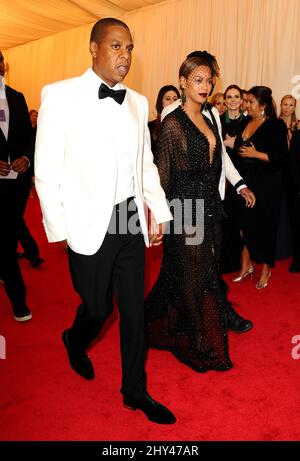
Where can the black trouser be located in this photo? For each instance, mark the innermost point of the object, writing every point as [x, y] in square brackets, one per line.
[117, 267]
[295, 227]
[27, 241]
[10, 222]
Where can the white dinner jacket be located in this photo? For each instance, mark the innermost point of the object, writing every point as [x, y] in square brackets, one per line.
[228, 169]
[76, 167]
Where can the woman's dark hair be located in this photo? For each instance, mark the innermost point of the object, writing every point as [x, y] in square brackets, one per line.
[213, 64]
[160, 96]
[234, 87]
[191, 63]
[263, 94]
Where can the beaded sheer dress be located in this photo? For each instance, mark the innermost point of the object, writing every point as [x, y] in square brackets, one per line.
[185, 310]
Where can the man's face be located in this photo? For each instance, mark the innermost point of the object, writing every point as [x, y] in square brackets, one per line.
[112, 56]
[2, 64]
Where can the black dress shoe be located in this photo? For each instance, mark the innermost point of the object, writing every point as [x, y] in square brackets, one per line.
[294, 268]
[153, 410]
[237, 323]
[80, 362]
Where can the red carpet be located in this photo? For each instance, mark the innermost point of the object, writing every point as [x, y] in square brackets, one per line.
[43, 399]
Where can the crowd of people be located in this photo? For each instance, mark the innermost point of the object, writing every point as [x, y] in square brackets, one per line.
[226, 163]
[250, 126]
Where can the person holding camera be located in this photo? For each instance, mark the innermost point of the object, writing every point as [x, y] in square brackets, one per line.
[260, 152]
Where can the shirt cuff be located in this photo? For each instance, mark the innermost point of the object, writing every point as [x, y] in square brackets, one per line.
[240, 185]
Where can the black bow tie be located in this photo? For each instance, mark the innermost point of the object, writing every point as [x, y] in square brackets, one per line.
[117, 95]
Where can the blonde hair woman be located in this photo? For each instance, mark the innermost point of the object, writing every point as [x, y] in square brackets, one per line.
[288, 114]
[218, 102]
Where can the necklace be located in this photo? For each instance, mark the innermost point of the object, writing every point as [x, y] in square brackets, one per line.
[227, 118]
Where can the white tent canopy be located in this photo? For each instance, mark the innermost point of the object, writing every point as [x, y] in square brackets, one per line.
[25, 20]
[256, 42]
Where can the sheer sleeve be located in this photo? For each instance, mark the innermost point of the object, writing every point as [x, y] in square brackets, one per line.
[168, 146]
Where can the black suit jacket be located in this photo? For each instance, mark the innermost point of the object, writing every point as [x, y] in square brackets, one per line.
[295, 160]
[19, 140]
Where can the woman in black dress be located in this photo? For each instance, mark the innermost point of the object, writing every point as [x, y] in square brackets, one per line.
[233, 115]
[185, 311]
[260, 154]
[166, 96]
[232, 243]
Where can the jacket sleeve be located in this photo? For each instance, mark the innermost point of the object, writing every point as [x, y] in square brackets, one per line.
[231, 172]
[49, 162]
[277, 145]
[153, 191]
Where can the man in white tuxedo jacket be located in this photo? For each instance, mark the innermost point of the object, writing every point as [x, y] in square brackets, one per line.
[94, 172]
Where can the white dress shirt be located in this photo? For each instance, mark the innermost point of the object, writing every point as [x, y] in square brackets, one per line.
[123, 145]
[4, 106]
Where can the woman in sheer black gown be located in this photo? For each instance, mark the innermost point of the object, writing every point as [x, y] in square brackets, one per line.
[185, 311]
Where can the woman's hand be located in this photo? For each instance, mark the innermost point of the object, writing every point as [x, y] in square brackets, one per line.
[155, 238]
[229, 141]
[248, 151]
[248, 196]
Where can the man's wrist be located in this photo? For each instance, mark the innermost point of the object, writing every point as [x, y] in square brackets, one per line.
[24, 156]
[240, 185]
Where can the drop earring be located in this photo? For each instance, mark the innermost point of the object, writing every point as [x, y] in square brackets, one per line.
[183, 97]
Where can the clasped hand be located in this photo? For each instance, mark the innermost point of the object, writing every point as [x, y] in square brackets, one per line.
[247, 151]
[155, 238]
[20, 165]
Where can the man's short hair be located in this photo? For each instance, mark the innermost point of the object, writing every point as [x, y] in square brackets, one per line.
[98, 30]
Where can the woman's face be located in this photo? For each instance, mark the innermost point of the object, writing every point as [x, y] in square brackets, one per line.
[254, 109]
[288, 107]
[168, 98]
[244, 101]
[198, 85]
[233, 99]
[220, 104]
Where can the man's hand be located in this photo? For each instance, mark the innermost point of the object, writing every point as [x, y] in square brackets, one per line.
[4, 168]
[20, 165]
[249, 197]
[155, 239]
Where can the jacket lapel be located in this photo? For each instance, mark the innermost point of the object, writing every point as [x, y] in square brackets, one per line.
[137, 123]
